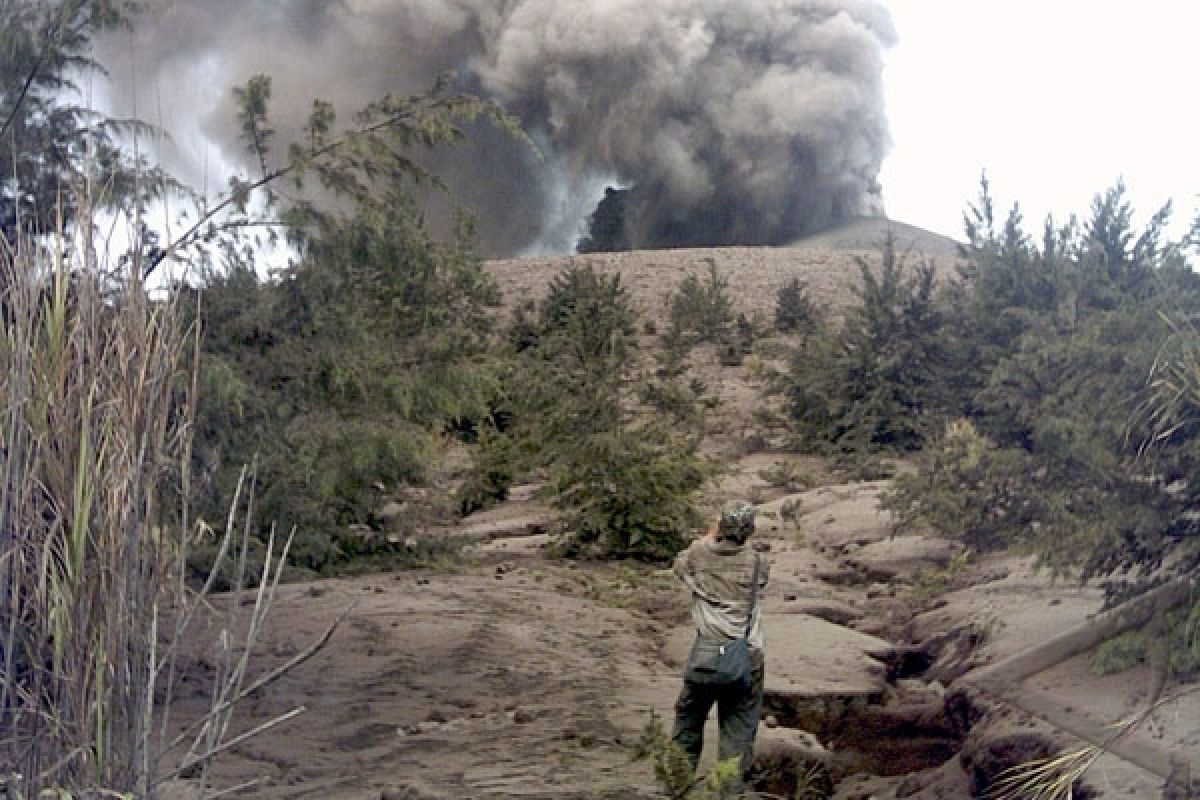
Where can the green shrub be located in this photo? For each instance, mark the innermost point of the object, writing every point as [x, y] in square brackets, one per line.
[670, 397]
[969, 489]
[673, 353]
[491, 474]
[673, 770]
[788, 475]
[340, 377]
[795, 311]
[1120, 653]
[883, 382]
[523, 332]
[628, 492]
[626, 487]
[701, 310]
[1183, 625]
[341, 372]
[1131, 648]
[591, 310]
[745, 334]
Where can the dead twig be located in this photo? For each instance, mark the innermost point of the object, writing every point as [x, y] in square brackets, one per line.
[269, 677]
[208, 755]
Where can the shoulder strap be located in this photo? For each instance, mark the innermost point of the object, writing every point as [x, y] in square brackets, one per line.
[753, 597]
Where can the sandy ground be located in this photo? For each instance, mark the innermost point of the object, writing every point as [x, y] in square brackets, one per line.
[517, 676]
[514, 675]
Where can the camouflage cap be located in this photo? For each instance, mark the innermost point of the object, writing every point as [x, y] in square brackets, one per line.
[737, 520]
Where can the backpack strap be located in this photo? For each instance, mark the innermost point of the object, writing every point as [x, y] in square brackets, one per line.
[753, 597]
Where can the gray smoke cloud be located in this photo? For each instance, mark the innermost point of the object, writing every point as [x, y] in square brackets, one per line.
[730, 121]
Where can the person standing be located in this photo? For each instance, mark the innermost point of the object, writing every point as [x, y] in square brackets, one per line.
[726, 577]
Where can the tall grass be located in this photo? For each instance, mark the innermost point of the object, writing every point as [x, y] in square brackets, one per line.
[95, 411]
[87, 384]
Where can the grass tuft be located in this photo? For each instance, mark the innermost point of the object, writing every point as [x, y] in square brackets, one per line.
[96, 415]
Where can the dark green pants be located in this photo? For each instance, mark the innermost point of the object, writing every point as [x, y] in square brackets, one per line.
[738, 711]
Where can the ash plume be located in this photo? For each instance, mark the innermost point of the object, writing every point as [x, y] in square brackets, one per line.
[720, 121]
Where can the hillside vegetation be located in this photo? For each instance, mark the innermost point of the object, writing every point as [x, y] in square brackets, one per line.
[1038, 392]
[1039, 385]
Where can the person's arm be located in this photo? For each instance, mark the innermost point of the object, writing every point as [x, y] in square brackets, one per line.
[683, 566]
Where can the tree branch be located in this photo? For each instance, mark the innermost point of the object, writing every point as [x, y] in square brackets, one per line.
[37, 67]
[190, 234]
[266, 679]
[33, 73]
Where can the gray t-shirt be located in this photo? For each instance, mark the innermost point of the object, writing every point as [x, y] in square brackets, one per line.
[718, 575]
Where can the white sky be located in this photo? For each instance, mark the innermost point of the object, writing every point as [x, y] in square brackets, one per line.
[1056, 99]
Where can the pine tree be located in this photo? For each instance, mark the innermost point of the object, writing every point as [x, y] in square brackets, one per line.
[1061, 338]
[881, 383]
[625, 480]
[52, 147]
[343, 371]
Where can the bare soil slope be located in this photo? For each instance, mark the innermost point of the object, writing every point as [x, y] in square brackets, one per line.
[517, 676]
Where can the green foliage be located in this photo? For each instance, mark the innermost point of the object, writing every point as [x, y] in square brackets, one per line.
[1169, 428]
[814, 783]
[90, 429]
[365, 168]
[671, 765]
[739, 343]
[252, 101]
[626, 484]
[523, 331]
[701, 309]
[1067, 452]
[671, 397]
[795, 311]
[930, 583]
[1182, 646]
[341, 374]
[881, 383]
[1066, 399]
[568, 387]
[1120, 653]
[51, 145]
[674, 771]
[994, 497]
[1185, 651]
[1003, 284]
[629, 491]
[93, 461]
[588, 317]
[672, 355]
[491, 474]
[968, 488]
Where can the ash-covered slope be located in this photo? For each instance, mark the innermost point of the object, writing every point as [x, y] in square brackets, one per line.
[869, 233]
[827, 262]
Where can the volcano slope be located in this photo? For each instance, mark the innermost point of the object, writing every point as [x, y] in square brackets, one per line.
[512, 674]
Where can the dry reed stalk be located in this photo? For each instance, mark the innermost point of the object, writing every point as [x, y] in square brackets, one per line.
[96, 410]
[88, 409]
[1054, 777]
